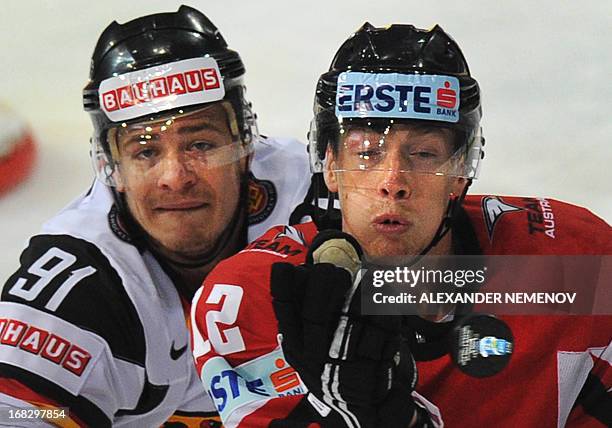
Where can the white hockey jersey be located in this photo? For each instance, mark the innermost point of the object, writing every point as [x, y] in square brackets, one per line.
[91, 323]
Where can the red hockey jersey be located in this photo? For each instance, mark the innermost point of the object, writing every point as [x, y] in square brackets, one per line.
[559, 374]
[234, 332]
[560, 371]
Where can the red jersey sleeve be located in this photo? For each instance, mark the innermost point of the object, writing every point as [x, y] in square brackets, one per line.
[234, 332]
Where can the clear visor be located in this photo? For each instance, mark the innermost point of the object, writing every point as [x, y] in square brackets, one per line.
[204, 138]
[391, 145]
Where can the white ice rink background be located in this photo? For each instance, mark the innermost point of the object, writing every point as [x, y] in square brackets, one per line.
[544, 67]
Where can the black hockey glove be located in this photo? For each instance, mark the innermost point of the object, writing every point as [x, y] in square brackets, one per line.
[357, 370]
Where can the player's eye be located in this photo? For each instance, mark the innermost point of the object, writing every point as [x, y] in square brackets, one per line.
[369, 154]
[424, 154]
[144, 154]
[201, 146]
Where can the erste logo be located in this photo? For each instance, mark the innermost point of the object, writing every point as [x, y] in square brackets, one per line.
[285, 380]
[428, 97]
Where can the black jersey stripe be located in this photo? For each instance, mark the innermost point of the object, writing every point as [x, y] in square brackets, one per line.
[98, 303]
[85, 410]
[211, 414]
[152, 395]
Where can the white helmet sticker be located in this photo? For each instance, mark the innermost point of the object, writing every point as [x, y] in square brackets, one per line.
[163, 87]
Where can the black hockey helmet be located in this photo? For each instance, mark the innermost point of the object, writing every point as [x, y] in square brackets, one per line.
[170, 45]
[392, 76]
[403, 50]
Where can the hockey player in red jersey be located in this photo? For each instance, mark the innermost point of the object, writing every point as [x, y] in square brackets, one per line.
[397, 137]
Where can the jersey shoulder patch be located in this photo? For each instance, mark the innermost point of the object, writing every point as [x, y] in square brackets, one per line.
[280, 177]
[262, 199]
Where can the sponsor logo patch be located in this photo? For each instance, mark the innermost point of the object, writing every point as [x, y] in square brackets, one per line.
[266, 376]
[491, 345]
[262, 199]
[407, 96]
[159, 88]
[45, 344]
[481, 345]
[285, 380]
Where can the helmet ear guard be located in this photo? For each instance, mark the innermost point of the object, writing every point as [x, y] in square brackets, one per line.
[246, 118]
[102, 162]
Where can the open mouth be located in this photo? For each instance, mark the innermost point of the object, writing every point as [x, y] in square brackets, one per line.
[391, 219]
[390, 223]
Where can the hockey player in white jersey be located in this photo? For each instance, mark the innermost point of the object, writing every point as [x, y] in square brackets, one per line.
[94, 319]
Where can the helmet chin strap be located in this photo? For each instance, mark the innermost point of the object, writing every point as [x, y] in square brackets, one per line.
[445, 225]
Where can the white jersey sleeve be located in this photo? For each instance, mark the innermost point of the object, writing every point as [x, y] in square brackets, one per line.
[280, 178]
